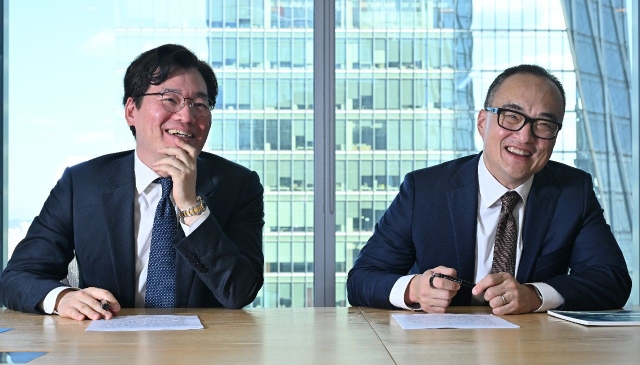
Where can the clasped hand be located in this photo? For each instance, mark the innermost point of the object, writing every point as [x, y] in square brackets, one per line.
[502, 291]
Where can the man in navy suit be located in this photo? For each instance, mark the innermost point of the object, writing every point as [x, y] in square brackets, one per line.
[103, 210]
[445, 217]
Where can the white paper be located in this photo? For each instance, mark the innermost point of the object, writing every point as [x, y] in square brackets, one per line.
[449, 320]
[146, 323]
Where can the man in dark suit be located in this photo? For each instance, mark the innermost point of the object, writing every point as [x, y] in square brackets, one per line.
[528, 231]
[105, 210]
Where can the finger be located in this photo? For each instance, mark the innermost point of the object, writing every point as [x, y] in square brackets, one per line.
[102, 297]
[444, 270]
[185, 152]
[431, 303]
[192, 151]
[500, 300]
[89, 310]
[434, 309]
[487, 282]
[173, 160]
[73, 313]
[443, 284]
[172, 167]
[502, 306]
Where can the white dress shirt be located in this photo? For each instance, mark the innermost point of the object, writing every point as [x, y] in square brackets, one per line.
[489, 194]
[148, 196]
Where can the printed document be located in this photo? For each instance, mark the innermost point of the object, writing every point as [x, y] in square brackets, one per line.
[146, 323]
[449, 320]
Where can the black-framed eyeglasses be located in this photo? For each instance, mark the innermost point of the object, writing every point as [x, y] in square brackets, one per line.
[512, 120]
[173, 102]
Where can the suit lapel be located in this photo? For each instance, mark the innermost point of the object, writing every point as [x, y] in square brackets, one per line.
[205, 186]
[463, 210]
[118, 212]
[541, 205]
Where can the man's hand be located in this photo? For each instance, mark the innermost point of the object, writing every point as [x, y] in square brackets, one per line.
[518, 298]
[180, 164]
[434, 299]
[85, 303]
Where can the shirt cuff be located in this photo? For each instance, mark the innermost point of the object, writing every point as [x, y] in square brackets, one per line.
[196, 223]
[396, 297]
[551, 299]
[48, 304]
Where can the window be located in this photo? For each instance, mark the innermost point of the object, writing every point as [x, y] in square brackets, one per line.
[410, 78]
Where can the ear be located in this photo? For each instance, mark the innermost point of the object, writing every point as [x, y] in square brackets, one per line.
[130, 112]
[481, 122]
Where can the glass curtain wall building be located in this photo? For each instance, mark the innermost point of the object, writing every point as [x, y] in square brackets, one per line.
[262, 52]
[410, 76]
[404, 101]
[598, 37]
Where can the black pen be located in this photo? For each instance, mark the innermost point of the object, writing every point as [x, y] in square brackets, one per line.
[105, 305]
[462, 282]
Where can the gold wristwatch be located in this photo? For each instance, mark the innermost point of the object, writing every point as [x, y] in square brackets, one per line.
[197, 209]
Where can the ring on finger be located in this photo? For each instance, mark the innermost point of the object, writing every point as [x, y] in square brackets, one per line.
[431, 282]
[504, 301]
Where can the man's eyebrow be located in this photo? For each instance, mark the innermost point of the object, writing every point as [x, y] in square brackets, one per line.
[199, 93]
[544, 115]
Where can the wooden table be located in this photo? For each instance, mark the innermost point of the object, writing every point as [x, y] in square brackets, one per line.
[319, 336]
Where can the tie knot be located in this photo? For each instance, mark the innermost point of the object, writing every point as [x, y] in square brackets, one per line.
[167, 184]
[509, 200]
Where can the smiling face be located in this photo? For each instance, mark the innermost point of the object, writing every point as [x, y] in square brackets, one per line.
[157, 128]
[513, 157]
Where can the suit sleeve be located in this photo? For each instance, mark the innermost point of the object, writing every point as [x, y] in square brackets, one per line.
[388, 255]
[598, 277]
[229, 260]
[41, 259]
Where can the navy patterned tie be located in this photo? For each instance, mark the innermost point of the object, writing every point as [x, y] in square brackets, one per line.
[161, 283]
[504, 250]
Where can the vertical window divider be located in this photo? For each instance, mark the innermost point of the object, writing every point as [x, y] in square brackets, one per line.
[635, 150]
[4, 134]
[324, 268]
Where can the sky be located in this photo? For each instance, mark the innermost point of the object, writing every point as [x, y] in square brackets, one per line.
[65, 85]
[64, 94]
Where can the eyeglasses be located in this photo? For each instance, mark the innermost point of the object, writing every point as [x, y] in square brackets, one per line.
[512, 120]
[173, 102]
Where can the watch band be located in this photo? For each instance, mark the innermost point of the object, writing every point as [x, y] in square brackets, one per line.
[197, 209]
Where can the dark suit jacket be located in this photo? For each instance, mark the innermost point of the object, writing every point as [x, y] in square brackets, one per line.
[91, 211]
[432, 221]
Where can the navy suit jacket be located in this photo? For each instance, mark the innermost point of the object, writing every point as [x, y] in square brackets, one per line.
[91, 211]
[432, 221]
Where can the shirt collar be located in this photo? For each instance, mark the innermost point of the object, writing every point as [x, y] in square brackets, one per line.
[491, 190]
[144, 175]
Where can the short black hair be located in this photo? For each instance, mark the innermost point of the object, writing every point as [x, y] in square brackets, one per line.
[523, 69]
[154, 66]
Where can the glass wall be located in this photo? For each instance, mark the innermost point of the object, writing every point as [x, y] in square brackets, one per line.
[404, 101]
[262, 51]
[410, 78]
